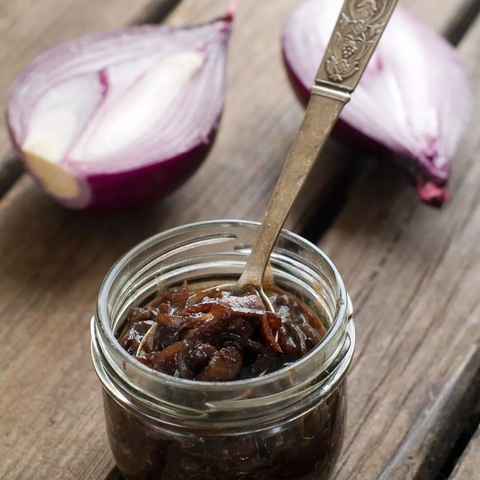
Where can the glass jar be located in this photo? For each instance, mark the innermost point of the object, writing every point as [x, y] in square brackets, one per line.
[288, 424]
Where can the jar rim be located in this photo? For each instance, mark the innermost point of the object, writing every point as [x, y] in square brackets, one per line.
[342, 312]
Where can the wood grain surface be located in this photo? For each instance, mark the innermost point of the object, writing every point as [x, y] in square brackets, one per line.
[53, 260]
[468, 468]
[414, 277]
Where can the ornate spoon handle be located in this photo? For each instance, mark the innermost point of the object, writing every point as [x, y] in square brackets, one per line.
[356, 34]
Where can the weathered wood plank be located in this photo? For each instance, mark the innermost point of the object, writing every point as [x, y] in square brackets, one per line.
[53, 260]
[413, 274]
[28, 28]
[468, 468]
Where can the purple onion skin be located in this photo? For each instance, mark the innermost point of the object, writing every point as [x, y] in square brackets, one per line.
[433, 193]
[149, 183]
[136, 187]
[146, 184]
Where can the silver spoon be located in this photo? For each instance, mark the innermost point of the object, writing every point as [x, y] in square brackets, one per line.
[356, 34]
[354, 38]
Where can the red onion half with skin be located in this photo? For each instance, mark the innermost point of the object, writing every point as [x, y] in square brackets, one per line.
[121, 118]
[414, 99]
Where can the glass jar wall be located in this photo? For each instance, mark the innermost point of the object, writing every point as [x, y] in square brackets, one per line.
[288, 424]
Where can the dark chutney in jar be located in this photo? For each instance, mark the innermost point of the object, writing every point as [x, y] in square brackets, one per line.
[305, 447]
[226, 336]
[287, 423]
[216, 335]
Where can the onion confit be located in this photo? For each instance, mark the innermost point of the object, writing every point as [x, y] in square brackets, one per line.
[223, 336]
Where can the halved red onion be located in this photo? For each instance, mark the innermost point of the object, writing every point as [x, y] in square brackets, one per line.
[414, 98]
[121, 118]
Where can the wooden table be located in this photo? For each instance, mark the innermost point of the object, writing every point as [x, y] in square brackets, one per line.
[413, 272]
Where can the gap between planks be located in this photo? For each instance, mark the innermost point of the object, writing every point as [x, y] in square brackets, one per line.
[468, 467]
[463, 447]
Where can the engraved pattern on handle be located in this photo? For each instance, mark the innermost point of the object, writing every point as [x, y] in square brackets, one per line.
[357, 32]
